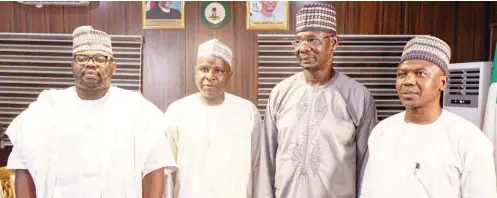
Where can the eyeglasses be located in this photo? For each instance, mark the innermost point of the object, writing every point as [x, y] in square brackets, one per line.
[97, 59]
[312, 41]
[207, 70]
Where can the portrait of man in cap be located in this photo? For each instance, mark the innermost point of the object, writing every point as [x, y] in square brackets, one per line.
[267, 15]
[266, 11]
[92, 139]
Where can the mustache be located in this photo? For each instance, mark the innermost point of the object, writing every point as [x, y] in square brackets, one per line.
[305, 56]
[409, 91]
[90, 71]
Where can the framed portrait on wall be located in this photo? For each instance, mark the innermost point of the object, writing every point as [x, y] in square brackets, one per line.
[163, 14]
[267, 15]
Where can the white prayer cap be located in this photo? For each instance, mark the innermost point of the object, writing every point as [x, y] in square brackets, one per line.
[428, 48]
[85, 38]
[316, 16]
[217, 49]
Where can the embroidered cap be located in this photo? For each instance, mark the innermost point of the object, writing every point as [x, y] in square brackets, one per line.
[316, 16]
[215, 48]
[85, 38]
[428, 48]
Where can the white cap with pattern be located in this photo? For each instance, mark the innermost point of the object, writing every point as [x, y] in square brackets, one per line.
[316, 16]
[215, 48]
[85, 38]
[428, 48]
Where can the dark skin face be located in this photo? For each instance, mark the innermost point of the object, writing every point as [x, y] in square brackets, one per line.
[166, 4]
[91, 78]
[419, 84]
[212, 75]
[316, 56]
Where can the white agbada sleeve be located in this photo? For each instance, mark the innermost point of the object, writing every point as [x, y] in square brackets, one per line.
[15, 160]
[478, 175]
[30, 120]
[159, 157]
[369, 178]
[171, 133]
[160, 154]
[257, 132]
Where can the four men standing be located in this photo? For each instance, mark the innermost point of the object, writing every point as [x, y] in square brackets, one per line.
[96, 140]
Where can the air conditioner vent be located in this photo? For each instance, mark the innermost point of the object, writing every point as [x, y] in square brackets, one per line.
[464, 82]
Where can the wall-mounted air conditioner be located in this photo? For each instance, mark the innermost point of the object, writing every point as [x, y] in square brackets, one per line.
[466, 93]
[40, 4]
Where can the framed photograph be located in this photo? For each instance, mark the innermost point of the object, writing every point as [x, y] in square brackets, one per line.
[163, 14]
[268, 15]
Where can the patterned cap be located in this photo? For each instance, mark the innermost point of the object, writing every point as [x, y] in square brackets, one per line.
[316, 16]
[428, 48]
[217, 49]
[85, 38]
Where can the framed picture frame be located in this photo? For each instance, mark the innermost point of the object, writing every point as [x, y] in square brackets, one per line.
[163, 14]
[268, 15]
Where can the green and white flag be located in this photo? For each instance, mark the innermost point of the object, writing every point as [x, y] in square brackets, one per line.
[490, 122]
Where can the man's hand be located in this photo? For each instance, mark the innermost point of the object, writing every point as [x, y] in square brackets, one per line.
[24, 184]
[153, 184]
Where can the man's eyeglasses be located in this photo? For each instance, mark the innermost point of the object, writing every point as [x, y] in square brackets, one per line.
[313, 42]
[97, 59]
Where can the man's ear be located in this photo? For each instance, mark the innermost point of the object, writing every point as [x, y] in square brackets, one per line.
[444, 81]
[114, 67]
[334, 42]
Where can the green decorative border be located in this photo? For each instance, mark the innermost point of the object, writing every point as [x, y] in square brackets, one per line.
[223, 22]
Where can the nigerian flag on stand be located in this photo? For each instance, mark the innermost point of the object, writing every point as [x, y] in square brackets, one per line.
[490, 122]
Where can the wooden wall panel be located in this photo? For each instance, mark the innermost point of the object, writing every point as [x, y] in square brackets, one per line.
[432, 18]
[389, 11]
[164, 67]
[170, 55]
[6, 16]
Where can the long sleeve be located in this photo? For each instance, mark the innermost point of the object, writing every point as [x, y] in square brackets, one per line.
[257, 132]
[172, 136]
[172, 129]
[160, 154]
[369, 177]
[478, 179]
[15, 160]
[366, 188]
[31, 121]
[269, 143]
[368, 122]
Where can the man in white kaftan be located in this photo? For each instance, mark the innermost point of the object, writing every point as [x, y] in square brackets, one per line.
[425, 151]
[317, 121]
[92, 140]
[214, 134]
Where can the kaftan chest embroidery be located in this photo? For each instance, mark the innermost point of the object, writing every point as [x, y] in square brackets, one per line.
[306, 153]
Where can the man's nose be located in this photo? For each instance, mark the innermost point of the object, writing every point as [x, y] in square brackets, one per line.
[90, 63]
[210, 75]
[304, 47]
[410, 79]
